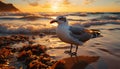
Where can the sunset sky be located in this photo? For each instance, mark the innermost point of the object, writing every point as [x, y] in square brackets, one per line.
[66, 5]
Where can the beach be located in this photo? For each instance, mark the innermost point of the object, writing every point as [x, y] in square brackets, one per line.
[29, 41]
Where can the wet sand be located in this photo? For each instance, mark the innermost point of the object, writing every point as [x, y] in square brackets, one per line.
[23, 51]
[38, 51]
[77, 62]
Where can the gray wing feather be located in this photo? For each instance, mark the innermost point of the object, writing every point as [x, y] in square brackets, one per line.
[79, 33]
[76, 30]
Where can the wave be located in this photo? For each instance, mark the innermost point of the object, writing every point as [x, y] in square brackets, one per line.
[54, 13]
[23, 16]
[24, 29]
[114, 29]
[77, 14]
[34, 17]
[14, 14]
[28, 17]
[113, 17]
[101, 22]
[37, 29]
[74, 18]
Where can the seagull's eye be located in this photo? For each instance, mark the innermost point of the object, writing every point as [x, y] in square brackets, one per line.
[62, 19]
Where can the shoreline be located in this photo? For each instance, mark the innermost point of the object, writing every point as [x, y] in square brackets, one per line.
[13, 48]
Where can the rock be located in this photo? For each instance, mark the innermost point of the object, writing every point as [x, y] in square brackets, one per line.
[31, 42]
[30, 59]
[42, 35]
[29, 56]
[23, 55]
[33, 37]
[7, 67]
[38, 49]
[13, 39]
[4, 54]
[36, 65]
[7, 7]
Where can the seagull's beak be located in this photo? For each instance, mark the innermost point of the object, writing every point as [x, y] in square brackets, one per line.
[53, 21]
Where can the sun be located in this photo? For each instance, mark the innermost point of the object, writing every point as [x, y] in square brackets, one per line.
[55, 8]
[55, 5]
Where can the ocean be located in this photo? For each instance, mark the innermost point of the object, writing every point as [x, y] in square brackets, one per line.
[107, 48]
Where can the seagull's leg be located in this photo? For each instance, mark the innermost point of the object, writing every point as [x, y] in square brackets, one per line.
[76, 48]
[75, 53]
[71, 48]
[69, 52]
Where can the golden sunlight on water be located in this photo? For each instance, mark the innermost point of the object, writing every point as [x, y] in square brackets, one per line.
[53, 17]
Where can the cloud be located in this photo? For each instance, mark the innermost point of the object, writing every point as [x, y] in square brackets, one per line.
[66, 2]
[61, 3]
[88, 1]
[117, 2]
[47, 3]
[32, 2]
[1, 0]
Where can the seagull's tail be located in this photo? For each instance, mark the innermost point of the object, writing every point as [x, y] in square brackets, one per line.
[94, 33]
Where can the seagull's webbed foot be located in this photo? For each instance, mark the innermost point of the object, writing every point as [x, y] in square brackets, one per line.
[73, 53]
[70, 51]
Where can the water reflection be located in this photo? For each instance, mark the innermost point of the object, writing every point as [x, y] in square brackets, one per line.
[79, 62]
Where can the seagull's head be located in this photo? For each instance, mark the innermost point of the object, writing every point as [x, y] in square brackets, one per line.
[60, 20]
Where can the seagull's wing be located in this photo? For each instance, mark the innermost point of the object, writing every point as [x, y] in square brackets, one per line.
[76, 30]
[79, 33]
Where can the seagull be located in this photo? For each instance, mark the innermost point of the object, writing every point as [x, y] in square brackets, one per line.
[73, 35]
